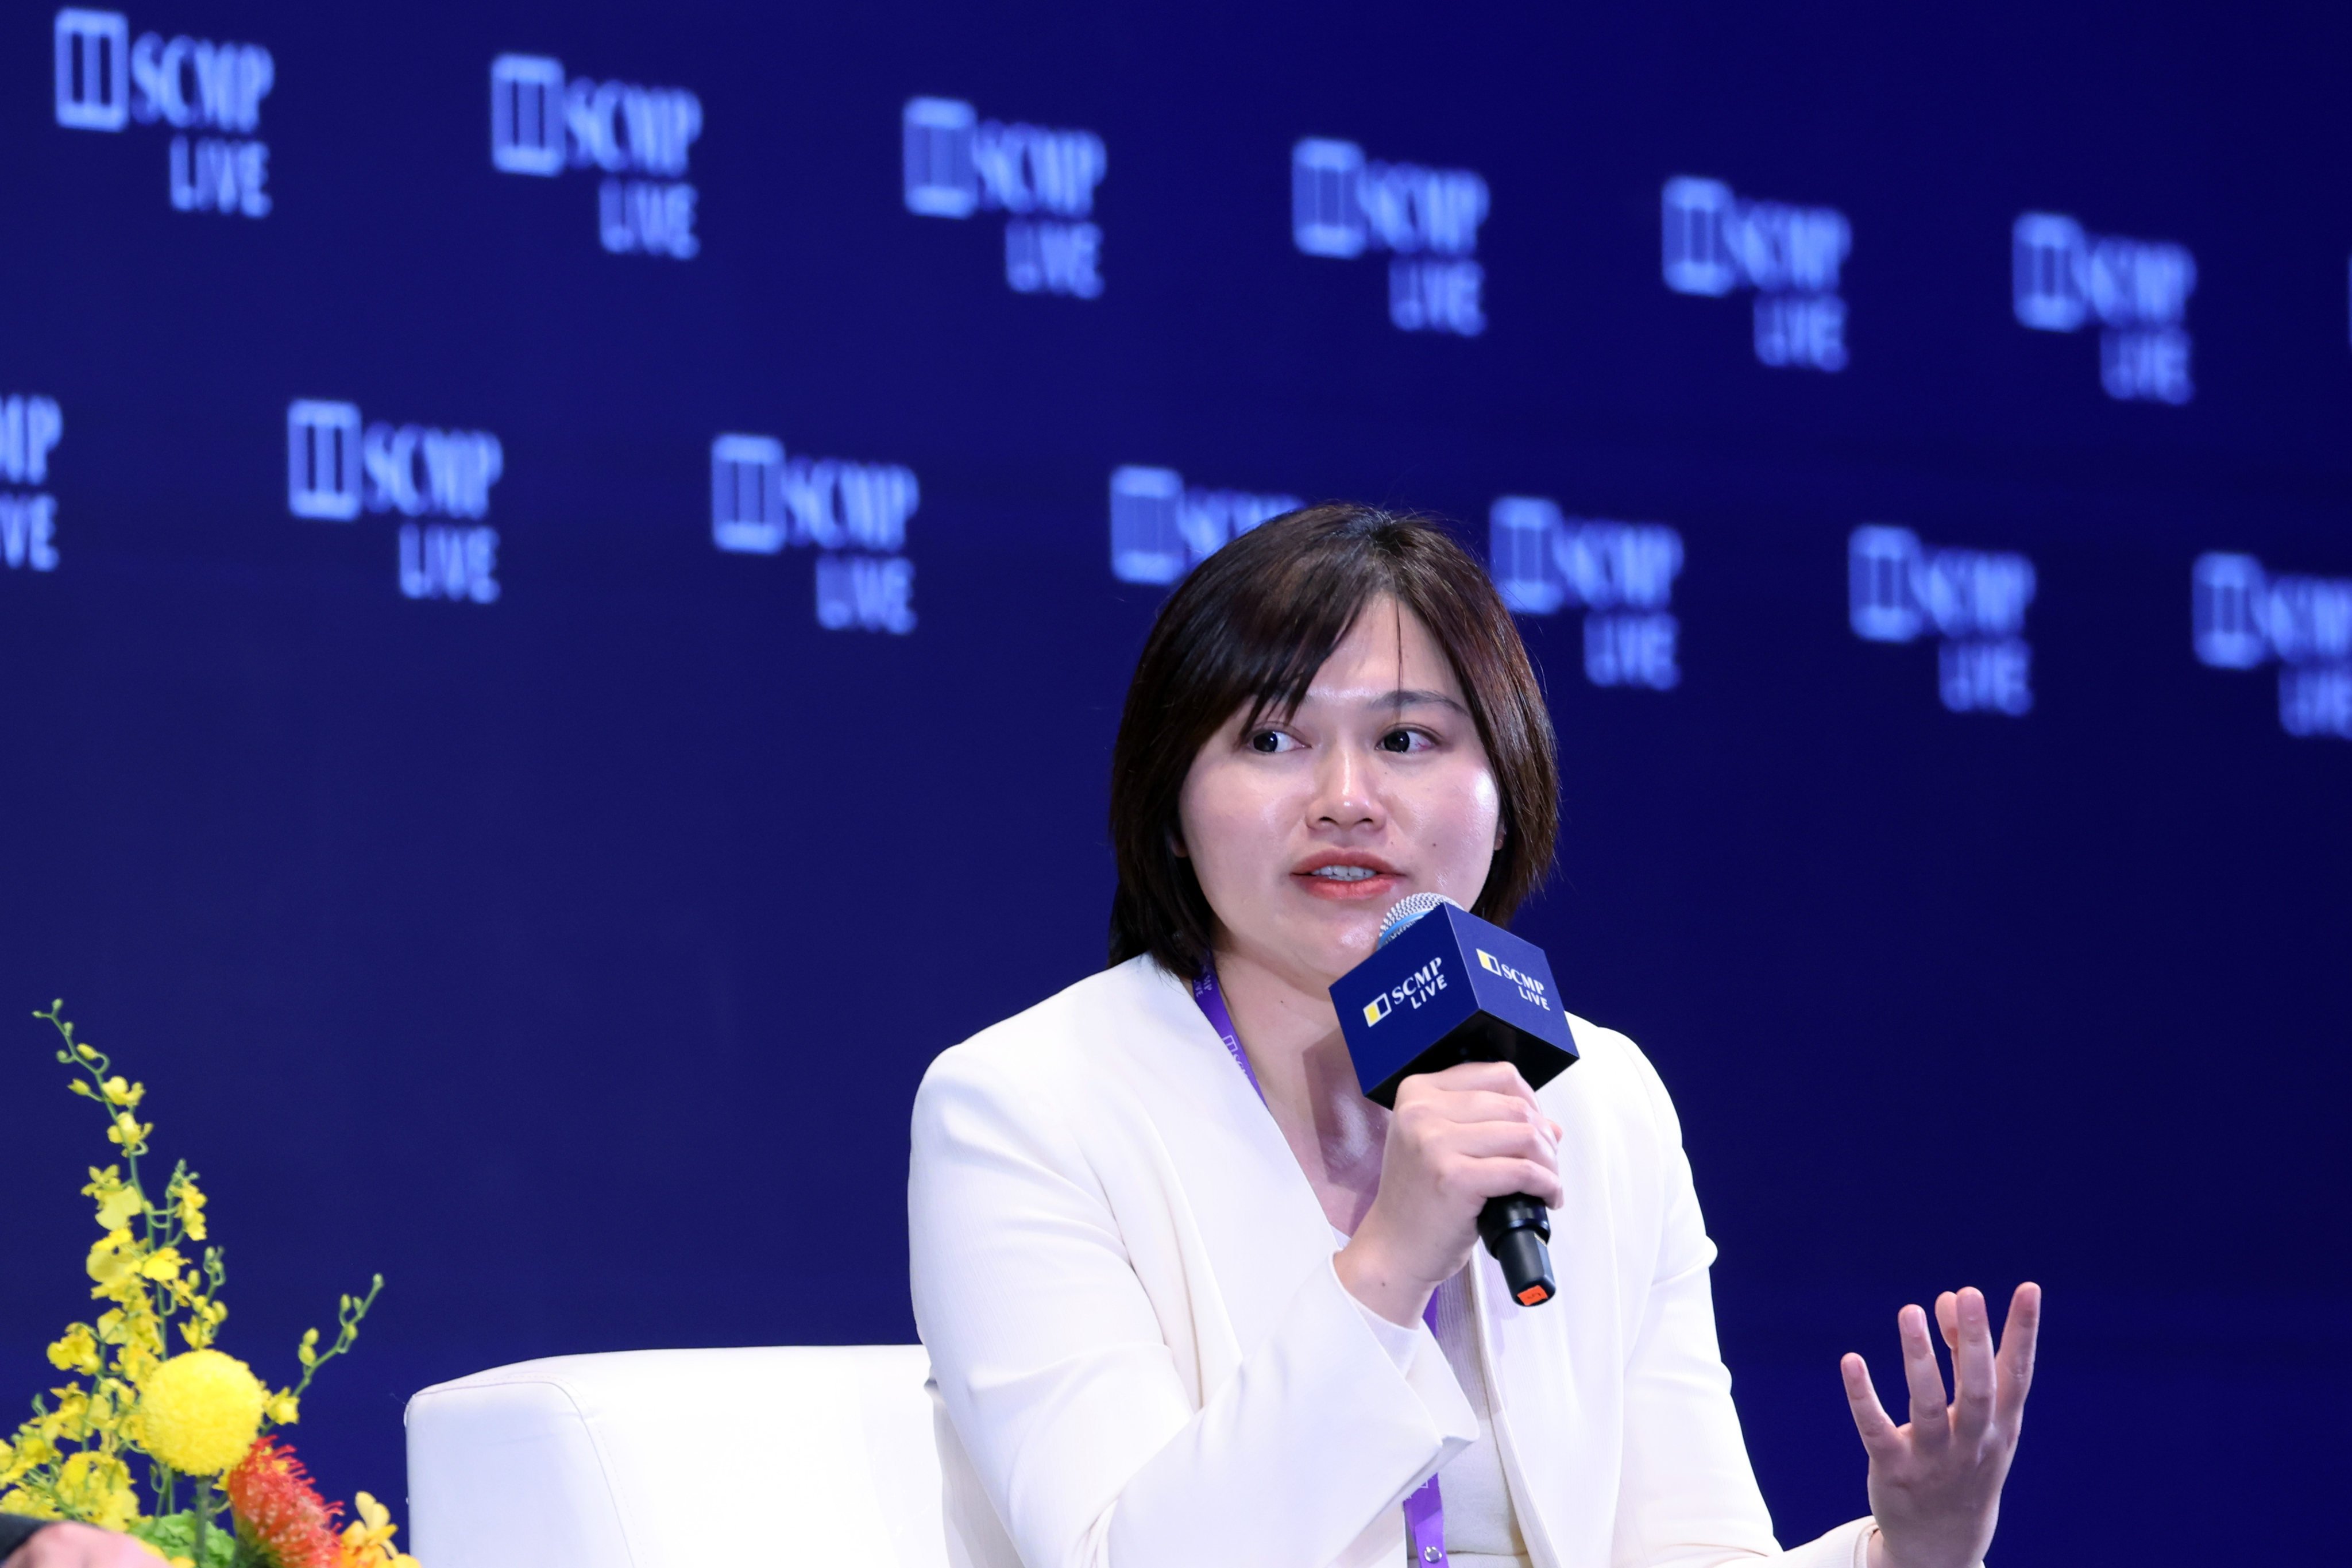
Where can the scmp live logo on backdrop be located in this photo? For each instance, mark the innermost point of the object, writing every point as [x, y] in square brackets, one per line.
[1161, 527]
[30, 428]
[764, 503]
[1899, 590]
[542, 124]
[1621, 574]
[1342, 205]
[2243, 615]
[336, 467]
[1714, 243]
[106, 80]
[1043, 179]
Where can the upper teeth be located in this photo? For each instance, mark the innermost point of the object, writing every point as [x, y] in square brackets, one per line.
[1344, 873]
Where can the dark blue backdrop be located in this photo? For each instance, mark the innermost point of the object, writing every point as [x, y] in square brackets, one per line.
[572, 958]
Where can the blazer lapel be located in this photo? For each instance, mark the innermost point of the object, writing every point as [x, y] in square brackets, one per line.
[1255, 1216]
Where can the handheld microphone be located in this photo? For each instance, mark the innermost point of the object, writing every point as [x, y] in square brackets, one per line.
[1444, 986]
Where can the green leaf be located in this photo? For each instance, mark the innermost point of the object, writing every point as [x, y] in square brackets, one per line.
[174, 1535]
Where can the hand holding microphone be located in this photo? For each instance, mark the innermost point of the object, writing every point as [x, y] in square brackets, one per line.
[1460, 1139]
[1454, 1024]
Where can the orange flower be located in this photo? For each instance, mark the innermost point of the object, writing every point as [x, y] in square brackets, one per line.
[279, 1513]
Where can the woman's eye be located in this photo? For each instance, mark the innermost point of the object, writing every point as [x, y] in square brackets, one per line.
[1271, 741]
[1404, 741]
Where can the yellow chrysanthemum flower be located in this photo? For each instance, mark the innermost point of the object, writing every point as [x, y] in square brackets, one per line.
[202, 1411]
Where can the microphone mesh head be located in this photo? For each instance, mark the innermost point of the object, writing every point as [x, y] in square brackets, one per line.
[1406, 911]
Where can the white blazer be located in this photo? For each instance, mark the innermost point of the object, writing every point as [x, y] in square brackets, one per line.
[1142, 1357]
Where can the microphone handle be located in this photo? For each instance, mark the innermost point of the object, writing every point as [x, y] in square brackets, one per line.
[1516, 1229]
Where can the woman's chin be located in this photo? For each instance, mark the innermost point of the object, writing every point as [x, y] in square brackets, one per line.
[1342, 944]
[1315, 940]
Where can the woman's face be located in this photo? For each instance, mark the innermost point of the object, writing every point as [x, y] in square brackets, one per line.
[1304, 831]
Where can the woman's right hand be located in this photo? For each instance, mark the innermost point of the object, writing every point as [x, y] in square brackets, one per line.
[82, 1546]
[1456, 1138]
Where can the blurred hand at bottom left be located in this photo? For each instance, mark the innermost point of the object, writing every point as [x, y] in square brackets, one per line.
[81, 1546]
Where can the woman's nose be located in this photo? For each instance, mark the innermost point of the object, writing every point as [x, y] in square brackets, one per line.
[1345, 792]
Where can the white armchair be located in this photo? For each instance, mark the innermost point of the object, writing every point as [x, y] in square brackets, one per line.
[680, 1459]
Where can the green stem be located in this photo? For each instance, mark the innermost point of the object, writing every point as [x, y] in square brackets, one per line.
[210, 1501]
[353, 1311]
[96, 1067]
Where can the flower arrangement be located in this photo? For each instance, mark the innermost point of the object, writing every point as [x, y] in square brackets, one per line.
[197, 1417]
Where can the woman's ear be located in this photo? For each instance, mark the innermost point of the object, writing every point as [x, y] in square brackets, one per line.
[1176, 846]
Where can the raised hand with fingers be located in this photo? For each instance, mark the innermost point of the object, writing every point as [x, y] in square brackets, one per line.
[1935, 1482]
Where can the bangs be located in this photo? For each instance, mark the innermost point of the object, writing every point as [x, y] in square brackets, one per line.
[1284, 632]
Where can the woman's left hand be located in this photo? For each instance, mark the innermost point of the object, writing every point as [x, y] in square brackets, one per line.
[1935, 1482]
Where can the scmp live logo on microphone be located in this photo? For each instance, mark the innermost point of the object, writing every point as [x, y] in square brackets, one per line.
[1419, 986]
[1530, 988]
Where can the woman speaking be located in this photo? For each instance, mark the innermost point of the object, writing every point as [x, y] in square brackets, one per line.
[1192, 1302]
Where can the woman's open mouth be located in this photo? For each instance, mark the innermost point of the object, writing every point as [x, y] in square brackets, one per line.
[1350, 881]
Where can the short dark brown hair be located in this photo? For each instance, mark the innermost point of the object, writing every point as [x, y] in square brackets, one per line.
[1253, 625]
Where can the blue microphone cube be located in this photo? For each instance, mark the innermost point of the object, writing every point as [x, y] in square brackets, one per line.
[1449, 988]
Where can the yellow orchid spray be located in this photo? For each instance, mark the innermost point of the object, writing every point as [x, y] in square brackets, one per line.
[188, 1413]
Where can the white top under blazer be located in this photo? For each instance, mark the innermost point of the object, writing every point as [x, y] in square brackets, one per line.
[1142, 1358]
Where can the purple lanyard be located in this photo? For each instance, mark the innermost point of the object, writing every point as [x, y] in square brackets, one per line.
[1424, 1511]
